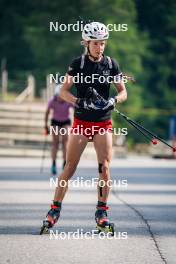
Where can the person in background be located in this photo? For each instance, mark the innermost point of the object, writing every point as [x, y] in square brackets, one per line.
[61, 119]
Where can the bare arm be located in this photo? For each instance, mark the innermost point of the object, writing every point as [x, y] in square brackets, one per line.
[122, 92]
[65, 90]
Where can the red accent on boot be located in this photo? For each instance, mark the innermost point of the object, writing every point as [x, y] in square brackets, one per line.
[102, 220]
[54, 206]
[103, 207]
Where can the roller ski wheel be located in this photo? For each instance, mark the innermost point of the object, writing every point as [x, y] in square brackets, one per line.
[106, 230]
[103, 224]
[51, 218]
[45, 228]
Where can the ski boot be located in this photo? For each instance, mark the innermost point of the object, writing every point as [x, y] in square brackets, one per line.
[53, 169]
[101, 218]
[51, 218]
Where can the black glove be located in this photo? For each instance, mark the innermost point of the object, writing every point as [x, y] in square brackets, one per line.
[110, 104]
[94, 101]
[99, 105]
[81, 103]
[88, 104]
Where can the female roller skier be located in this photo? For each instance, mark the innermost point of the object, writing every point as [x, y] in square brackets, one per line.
[92, 109]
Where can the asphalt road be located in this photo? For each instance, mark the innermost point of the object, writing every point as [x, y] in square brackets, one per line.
[142, 206]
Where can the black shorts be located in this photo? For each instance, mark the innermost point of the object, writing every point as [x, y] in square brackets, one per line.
[60, 123]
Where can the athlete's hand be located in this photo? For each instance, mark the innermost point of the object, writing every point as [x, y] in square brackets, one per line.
[92, 101]
[110, 104]
[81, 103]
[46, 130]
[84, 103]
[99, 102]
[98, 105]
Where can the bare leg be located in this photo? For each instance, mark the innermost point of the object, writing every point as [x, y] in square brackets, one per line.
[64, 139]
[76, 146]
[54, 148]
[103, 147]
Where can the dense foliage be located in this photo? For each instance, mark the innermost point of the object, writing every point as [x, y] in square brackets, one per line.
[146, 50]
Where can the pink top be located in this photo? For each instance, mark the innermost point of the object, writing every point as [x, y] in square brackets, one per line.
[60, 109]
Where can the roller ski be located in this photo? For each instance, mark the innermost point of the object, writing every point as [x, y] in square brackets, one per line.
[103, 224]
[51, 218]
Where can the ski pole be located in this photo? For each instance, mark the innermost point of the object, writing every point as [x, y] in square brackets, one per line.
[141, 128]
[44, 150]
[152, 139]
[129, 78]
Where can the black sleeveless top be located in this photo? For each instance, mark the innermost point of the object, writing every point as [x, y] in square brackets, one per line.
[97, 75]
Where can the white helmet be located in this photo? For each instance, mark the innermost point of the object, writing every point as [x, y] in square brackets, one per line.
[57, 89]
[95, 31]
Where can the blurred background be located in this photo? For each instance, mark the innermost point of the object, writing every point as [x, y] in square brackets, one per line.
[29, 52]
